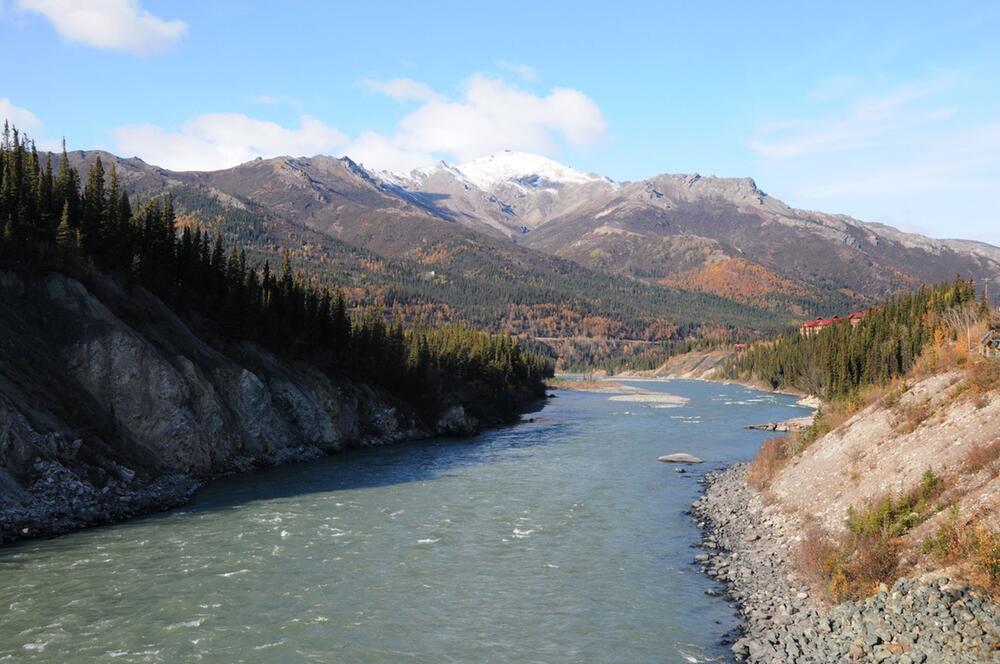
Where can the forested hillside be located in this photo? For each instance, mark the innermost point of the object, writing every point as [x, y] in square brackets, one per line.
[342, 226]
[842, 359]
[50, 222]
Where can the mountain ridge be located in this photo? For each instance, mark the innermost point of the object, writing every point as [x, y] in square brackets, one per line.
[559, 253]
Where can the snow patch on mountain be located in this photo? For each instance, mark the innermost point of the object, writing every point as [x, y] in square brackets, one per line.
[522, 168]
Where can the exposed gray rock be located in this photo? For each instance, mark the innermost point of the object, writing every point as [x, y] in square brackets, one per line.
[679, 457]
[456, 422]
[111, 406]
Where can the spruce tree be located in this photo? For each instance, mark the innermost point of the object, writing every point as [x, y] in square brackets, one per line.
[66, 234]
[46, 202]
[94, 210]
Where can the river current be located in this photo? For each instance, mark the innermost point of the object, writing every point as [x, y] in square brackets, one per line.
[558, 540]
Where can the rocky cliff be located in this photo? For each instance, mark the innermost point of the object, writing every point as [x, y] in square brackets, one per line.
[111, 406]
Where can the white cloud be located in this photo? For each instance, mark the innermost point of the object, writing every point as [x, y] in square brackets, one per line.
[490, 115]
[120, 25]
[526, 73]
[400, 89]
[221, 140]
[22, 118]
[832, 88]
[911, 157]
[950, 163]
[380, 151]
[27, 123]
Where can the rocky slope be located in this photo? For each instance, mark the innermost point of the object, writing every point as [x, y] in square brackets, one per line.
[749, 547]
[759, 542]
[889, 445]
[111, 406]
[406, 249]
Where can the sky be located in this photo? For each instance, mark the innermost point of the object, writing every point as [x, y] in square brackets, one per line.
[886, 111]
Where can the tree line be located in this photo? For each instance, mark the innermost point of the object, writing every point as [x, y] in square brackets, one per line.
[841, 359]
[50, 218]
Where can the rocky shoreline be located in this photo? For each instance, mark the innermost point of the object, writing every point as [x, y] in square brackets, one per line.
[61, 499]
[748, 548]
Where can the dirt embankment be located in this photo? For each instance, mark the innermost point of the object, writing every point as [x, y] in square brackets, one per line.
[697, 364]
[750, 548]
[873, 536]
[886, 449]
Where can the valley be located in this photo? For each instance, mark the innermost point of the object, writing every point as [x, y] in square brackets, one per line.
[519, 243]
[499, 333]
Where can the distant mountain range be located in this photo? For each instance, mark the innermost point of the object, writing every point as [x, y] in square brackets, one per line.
[719, 235]
[520, 242]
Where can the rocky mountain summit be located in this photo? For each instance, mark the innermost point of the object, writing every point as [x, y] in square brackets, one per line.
[722, 235]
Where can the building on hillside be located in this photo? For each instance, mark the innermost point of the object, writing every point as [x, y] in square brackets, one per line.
[859, 315]
[818, 324]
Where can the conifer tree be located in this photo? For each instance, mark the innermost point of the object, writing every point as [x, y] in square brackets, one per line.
[94, 209]
[66, 234]
[46, 202]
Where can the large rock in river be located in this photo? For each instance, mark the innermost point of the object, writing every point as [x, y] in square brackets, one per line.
[680, 457]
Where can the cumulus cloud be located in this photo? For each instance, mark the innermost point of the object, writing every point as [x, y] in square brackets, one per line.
[221, 140]
[21, 118]
[120, 25]
[488, 116]
[27, 123]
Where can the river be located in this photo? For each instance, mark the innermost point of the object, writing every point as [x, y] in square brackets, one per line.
[558, 540]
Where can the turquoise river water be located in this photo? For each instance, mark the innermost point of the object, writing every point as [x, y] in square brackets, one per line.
[559, 540]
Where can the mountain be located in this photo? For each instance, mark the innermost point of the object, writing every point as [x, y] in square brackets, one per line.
[718, 235]
[510, 193]
[357, 230]
[521, 243]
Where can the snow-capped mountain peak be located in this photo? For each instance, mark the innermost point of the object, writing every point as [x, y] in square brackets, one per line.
[521, 167]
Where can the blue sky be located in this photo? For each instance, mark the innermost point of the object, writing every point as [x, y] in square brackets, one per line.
[888, 113]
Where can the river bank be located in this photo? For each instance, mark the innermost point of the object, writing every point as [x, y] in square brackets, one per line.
[112, 406]
[61, 499]
[749, 548]
[558, 540]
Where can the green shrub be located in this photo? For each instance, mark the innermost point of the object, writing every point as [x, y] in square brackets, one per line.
[895, 515]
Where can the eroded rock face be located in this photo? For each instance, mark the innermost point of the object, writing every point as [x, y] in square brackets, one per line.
[111, 406]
